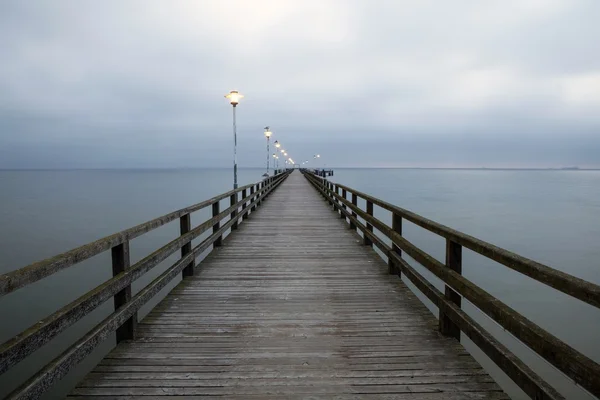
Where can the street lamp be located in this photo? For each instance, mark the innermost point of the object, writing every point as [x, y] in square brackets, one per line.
[277, 145]
[274, 166]
[234, 98]
[268, 134]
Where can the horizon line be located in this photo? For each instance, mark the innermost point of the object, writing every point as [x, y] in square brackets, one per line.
[574, 168]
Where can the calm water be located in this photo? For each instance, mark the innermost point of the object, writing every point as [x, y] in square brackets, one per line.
[550, 216]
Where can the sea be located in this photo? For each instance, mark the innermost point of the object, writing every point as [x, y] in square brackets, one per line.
[551, 216]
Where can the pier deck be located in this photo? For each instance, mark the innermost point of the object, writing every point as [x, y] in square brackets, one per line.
[293, 305]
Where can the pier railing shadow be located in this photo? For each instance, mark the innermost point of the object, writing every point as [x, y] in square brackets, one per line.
[123, 320]
[452, 319]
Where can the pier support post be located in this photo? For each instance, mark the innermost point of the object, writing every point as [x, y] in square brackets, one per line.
[335, 201]
[253, 191]
[396, 227]
[121, 263]
[366, 240]
[260, 185]
[454, 262]
[216, 210]
[354, 203]
[244, 212]
[232, 200]
[185, 225]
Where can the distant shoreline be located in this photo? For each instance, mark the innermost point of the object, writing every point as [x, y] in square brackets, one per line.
[148, 169]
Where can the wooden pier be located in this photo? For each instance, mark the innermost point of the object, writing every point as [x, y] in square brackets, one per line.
[292, 304]
[295, 304]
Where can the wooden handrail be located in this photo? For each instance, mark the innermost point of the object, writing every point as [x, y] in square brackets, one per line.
[568, 284]
[22, 277]
[572, 363]
[30, 340]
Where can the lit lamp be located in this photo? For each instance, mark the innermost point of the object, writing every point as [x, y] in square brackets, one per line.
[268, 134]
[234, 98]
[277, 145]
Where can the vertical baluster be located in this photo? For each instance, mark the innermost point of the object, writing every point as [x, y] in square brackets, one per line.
[232, 202]
[185, 225]
[216, 210]
[396, 227]
[366, 240]
[335, 190]
[244, 212]
[342, 215]
[253, 198]
[121, 263]
[354, 203]
[261, 185]
[454, 262]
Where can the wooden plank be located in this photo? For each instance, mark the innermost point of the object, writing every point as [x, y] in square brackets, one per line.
[337, 396]
[291, 305]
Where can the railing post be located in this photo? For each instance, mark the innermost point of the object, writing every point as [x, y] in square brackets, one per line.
[121, 263]
[252, 191]
[232, 202]
[396, 227]
[454, 262]
[342, 215]
[354, 203]
[329, 190]
[185, 225]
[366, 240]
[216, 211]
[335, 190]
[259, 187]
[244, 213]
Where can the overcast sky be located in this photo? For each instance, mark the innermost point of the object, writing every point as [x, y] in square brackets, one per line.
[96, 84]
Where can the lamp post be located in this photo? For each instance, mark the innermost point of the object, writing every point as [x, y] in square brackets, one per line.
[315, 157]
[268, 134]
[234, 98]
[274, 166]
[277, 146]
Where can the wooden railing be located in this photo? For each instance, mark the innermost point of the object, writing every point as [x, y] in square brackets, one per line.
[124, 319]
[452, 319]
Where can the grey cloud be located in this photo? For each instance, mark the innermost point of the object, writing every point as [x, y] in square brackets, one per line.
[140, 84]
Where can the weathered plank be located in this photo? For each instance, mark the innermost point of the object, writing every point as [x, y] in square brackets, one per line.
[291, 305]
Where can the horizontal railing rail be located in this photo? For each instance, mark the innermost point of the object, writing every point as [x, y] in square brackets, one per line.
[124, 319]
[453, 319]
